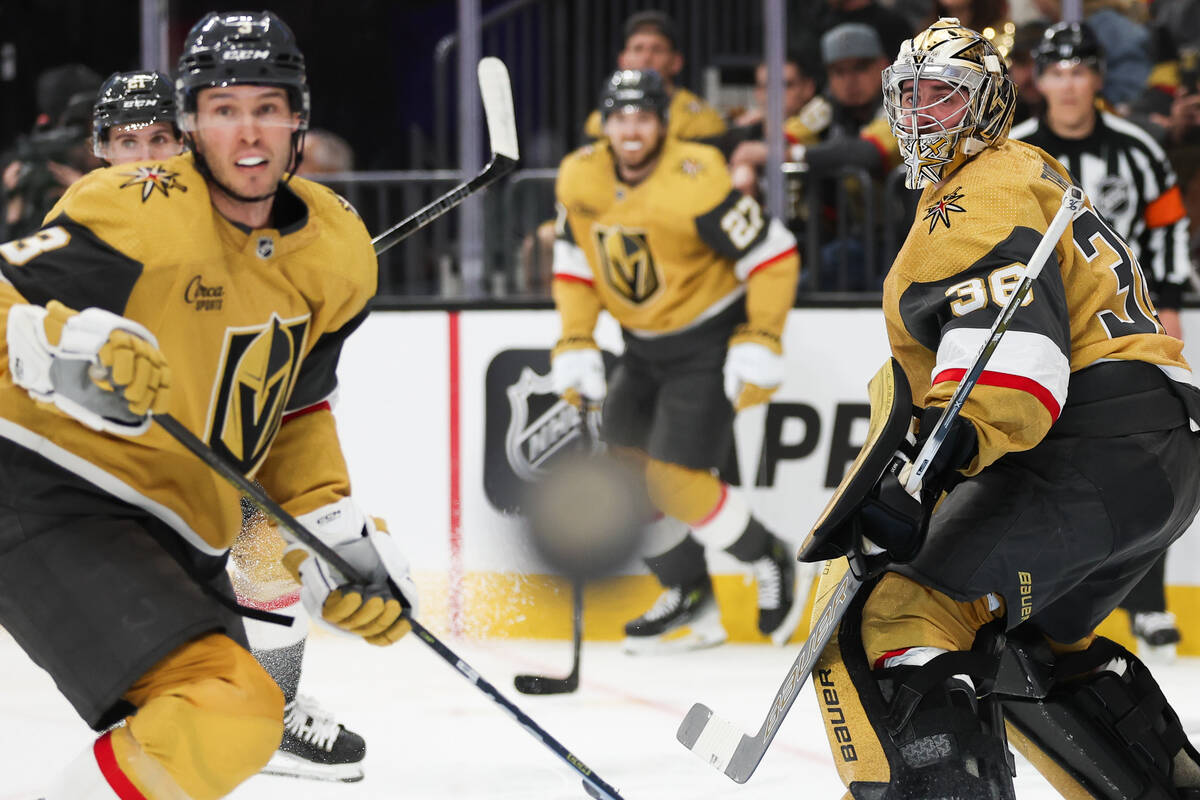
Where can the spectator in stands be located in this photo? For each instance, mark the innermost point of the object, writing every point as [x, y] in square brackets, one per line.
[801, 106]
[652, 42]
[1131, 183]
[1126, 42]
[325, 153]
[891, 26]
[989, 17]
[55, 153]
[1021, 69]
[857, 135]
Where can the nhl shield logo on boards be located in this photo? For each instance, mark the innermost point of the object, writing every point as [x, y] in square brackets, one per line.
[539, 426]
[259, 365]
[527, 427]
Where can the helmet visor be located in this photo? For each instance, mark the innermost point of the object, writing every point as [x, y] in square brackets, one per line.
[234, 107]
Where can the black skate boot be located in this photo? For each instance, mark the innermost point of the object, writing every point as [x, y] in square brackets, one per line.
[316, 746]
[779, 608]
[683, 618]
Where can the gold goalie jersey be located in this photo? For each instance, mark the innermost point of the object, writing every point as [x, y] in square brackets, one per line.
[251, 322]
[671, 251]
[963, 258]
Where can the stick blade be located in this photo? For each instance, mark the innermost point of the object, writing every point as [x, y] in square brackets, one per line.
[542, 684]
[713, 739]
[496, 92]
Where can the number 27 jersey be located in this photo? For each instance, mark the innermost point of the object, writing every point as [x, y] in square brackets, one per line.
[670, 251]
[963, 258]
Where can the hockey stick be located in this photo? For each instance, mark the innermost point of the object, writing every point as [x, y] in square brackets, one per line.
[720, 742]
[544, 684]
[496, 92]
[592, 783]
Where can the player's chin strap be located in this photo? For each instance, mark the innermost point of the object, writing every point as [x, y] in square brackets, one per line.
[295, 159]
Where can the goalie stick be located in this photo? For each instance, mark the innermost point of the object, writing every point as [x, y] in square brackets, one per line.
[592, 783]
[496, 93]
[720, 742]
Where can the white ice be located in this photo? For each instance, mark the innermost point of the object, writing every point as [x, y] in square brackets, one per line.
[431, 735]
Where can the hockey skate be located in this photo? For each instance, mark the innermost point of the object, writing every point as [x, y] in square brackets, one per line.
[1157, 635]
[316, 746]
[683, 618]
[779, 601]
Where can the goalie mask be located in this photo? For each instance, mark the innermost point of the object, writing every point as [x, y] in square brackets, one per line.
[948, 96]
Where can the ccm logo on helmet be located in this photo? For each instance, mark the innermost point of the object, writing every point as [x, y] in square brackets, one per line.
[245, 55]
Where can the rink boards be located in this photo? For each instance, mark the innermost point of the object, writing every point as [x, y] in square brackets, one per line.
[444, 414]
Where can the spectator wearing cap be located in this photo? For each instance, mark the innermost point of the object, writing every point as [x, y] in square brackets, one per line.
[891, 26]
[652, 42]
[857, 134]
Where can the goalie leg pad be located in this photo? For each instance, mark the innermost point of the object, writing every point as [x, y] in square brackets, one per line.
[1107, 733]
[915, 731]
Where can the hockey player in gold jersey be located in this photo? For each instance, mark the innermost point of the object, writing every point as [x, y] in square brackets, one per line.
[1072, 465]
[700, 280]
[217, 287]
[134, 119]
[652, 43]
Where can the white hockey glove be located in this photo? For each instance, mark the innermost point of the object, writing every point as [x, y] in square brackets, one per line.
[104, 370]
[578, 370]
[372, 610]
[753, 369]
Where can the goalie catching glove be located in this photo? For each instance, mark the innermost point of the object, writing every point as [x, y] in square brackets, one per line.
[753, 367]
[373, 609]
[102, 369]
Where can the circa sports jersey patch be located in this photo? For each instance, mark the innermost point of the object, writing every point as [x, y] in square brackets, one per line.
[690, 167]
[940, 211]
[155, 176]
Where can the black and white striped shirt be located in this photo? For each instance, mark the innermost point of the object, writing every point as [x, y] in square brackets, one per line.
[1130, 182]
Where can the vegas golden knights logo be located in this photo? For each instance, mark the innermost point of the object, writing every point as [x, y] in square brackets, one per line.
[628, 265]
[258, 369]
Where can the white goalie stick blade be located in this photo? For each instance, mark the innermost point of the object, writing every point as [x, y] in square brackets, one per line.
[720, 743]
[496, 92]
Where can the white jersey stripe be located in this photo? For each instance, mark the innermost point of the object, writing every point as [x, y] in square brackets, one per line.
[777, 242]
[570, 261]
[1032, 356]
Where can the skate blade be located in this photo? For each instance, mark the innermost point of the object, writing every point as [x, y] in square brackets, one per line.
[287, 765]
[677, 641]
[783, 633]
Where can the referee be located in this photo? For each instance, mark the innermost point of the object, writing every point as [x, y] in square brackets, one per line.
[1131, 183]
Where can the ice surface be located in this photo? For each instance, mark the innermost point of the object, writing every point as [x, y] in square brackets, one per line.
[433, 736]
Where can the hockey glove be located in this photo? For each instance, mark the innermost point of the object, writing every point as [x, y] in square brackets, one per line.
[372, 608]
[577, 371]
[753, 367]
[896, 520]
[104, 370]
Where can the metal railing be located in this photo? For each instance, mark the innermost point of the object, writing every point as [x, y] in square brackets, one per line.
[848, 226]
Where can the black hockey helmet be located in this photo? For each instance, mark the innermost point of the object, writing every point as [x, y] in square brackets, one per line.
[132, 98]
[244, 47]
[1069, 41]
[634, 88]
